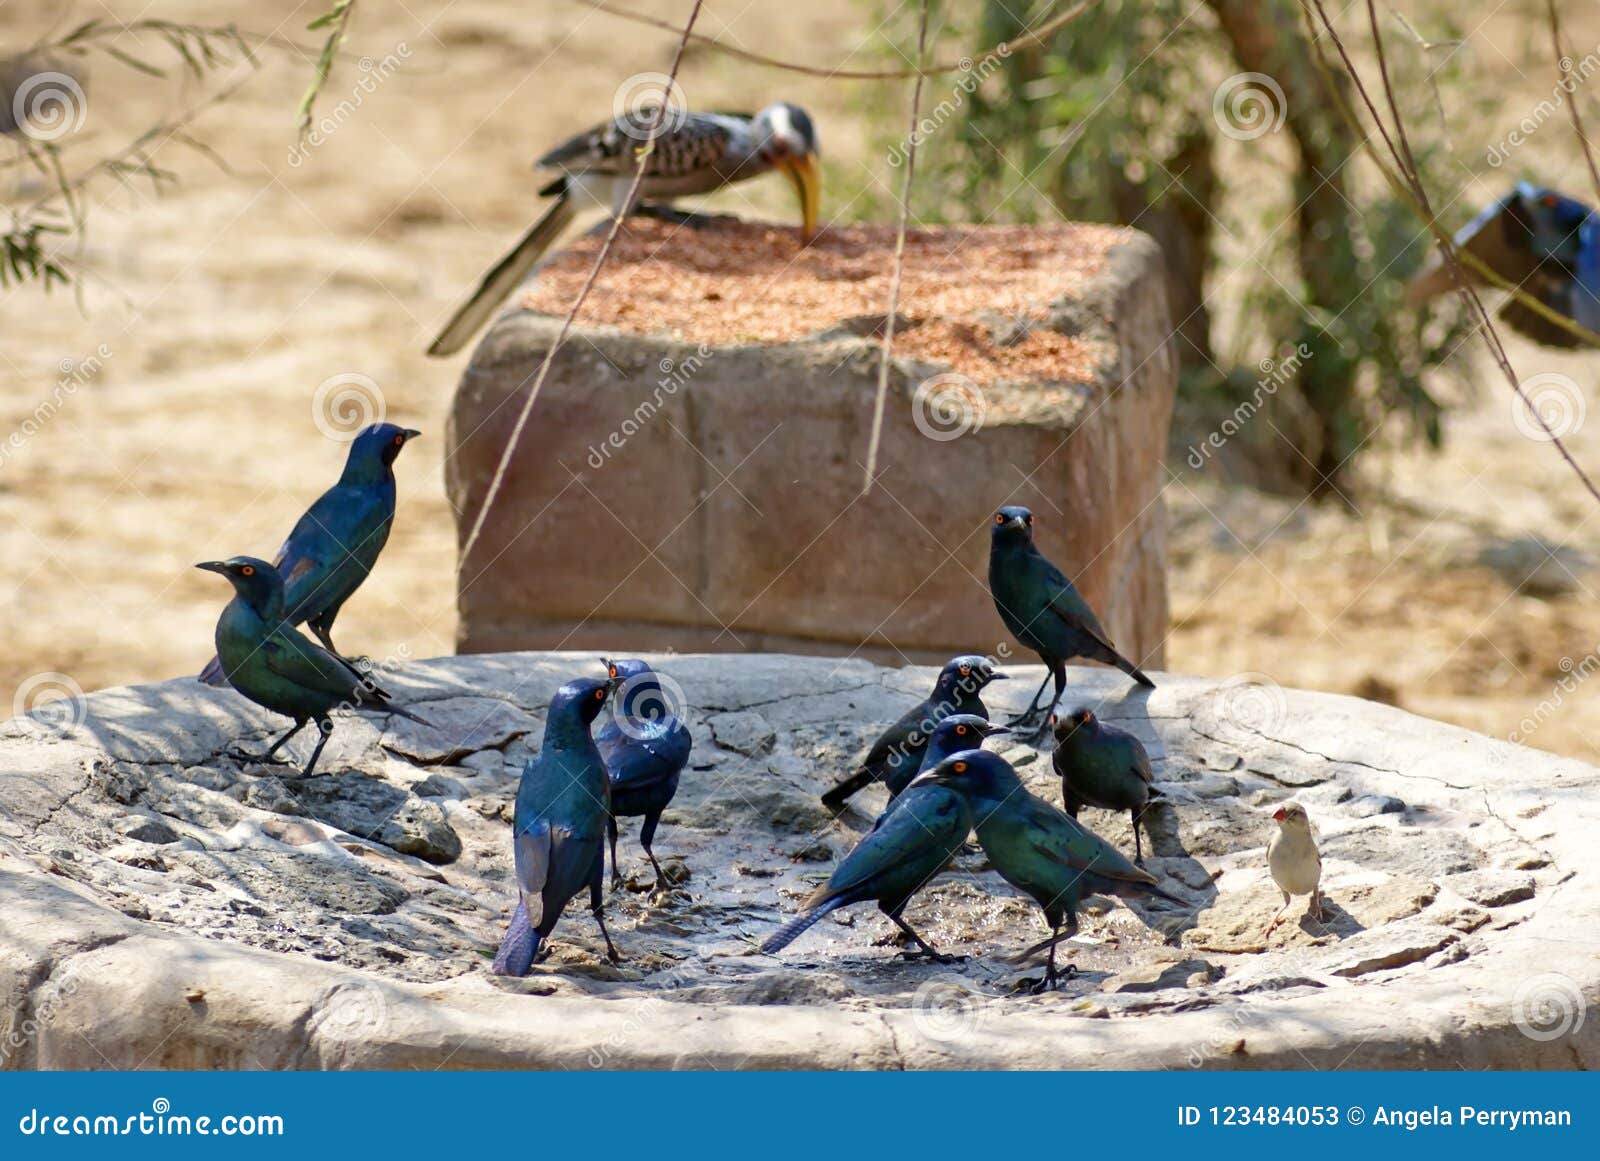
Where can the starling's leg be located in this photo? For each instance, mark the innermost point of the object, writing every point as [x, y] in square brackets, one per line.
[1058, 671]
[1026, 718]
[611, 829]
[1048, 984]
[928, 949]
[323, 628]
[246, 756]
[1276, 919]
[647, 836]
[1138, 848]
[597, 905]
[325, 727]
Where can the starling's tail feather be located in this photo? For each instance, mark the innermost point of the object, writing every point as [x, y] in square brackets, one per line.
[519, 948]
[791, 930]
[1131, 669]
[390, 707]
[504, 276]
[212, 674]
[835, 798]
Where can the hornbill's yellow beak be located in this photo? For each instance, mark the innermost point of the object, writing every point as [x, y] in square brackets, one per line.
[804, 172]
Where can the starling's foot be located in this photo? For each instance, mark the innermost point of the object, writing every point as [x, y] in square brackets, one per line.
[241, 755]
[1052, 979]
[1027, 719]
[616, 881]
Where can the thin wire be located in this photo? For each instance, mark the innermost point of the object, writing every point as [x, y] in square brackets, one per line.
[1399, 148]
[899, 256]
[1003, 49]
[577, 305]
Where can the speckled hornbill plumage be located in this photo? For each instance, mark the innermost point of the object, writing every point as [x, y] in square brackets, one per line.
[688, 154]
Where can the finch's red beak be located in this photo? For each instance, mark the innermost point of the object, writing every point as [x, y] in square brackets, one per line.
[1280, 814]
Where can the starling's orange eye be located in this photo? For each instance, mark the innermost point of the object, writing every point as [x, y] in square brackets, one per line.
[248, 570]
[611, 670]
[999, 517]
[960, 767]
[599, 695]
[1549, 200]
[398, 440]
[962, 730]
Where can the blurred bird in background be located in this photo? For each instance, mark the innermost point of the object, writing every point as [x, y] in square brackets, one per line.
[1043, 610]
[558, 829]
[645, 746]
[264, 658]
[1294, 861]
[897, 755]
[690, 153]
[333, 547]
[1542, 242]
[1104, 767]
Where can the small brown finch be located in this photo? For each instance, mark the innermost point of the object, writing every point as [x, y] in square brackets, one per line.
[1294, 862]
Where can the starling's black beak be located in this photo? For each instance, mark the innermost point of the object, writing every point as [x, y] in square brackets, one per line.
[214, 566]
[999, 677]
[999, 730]
[410, 433]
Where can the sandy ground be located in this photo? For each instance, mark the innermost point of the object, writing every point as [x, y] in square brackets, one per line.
[212, 314]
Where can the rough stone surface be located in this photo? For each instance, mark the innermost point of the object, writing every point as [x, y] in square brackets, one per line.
[727, 515]
[162, 905]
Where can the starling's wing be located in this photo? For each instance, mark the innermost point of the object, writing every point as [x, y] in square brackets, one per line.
[295, 659]
[1059, 837]
[912, 829]
[684, 144]
[1069, 605]
[1138, 758]
[531, 849]
[331, 550]
[638, 763]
